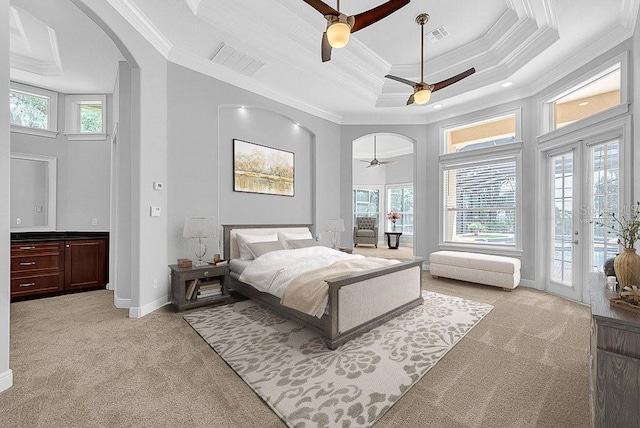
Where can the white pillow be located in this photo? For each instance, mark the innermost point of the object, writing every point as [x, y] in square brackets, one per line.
[244, 239]
[284, 237]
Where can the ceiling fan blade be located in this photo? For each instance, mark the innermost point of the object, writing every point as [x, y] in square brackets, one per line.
[322, 7]
[410, 100]
[453, 80]
[326, 48]
[374, 15]
[362, 160]
[386, 162]
[401, 80]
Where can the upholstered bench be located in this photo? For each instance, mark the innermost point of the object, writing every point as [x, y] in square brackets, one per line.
[487, 269]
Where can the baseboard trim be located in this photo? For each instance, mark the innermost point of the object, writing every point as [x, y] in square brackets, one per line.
[140, 311]
[6, 380]
[122, 303]
[528, 283]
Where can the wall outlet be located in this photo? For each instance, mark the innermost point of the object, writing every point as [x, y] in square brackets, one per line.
[18, 220]
[155, 284]
[94, 222]
[158, 186]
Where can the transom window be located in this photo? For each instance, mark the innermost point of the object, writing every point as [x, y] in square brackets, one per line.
[85, 117]
[32, 110]
[487, 133]
[591, 96]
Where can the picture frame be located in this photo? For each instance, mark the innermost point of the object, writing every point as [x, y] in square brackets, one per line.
[262, 169]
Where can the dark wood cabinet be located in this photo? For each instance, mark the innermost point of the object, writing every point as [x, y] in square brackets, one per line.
[84, 263]
[50, 267]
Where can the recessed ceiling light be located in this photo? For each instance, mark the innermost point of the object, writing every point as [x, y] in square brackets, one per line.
[437, 106]
[242, 107]
[506, 84]
[582, 104]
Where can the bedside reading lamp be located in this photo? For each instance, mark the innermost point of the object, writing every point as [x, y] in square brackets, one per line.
[199, 227]
[334, 226]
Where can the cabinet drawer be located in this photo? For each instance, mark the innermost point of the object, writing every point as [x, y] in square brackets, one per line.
[35, 263]
[30, 248]
[619, 340]
[34, 284]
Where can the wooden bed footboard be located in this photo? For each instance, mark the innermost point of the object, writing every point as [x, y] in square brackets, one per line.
[390, 291]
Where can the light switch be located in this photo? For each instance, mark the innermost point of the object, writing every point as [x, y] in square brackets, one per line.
[155, 211]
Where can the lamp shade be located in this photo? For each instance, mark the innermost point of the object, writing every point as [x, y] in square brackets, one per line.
[199, 227]
[334, 225]
[338, 34]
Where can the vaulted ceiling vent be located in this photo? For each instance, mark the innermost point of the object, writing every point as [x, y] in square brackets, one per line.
[236, 60]
[437, 34]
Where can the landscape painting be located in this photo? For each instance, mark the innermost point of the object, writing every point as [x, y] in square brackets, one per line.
[261, 169]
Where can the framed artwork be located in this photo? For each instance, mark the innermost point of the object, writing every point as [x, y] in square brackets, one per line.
[261, 169]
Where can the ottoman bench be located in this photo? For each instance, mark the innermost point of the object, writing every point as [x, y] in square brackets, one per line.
[487, 269]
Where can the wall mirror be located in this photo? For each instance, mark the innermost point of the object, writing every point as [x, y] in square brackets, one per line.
[33, 193]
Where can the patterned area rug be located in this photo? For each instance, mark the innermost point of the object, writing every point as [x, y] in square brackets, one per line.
[307, 384]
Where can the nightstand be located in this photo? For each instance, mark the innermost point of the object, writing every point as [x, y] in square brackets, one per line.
[199, 285]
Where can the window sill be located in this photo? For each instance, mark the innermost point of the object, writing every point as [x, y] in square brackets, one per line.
[34, 131]
[86, 137]
[487, 249]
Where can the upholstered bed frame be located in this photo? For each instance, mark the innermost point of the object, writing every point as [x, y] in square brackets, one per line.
[357, 303]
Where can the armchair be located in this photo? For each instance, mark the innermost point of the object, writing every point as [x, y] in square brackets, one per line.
[365, 231]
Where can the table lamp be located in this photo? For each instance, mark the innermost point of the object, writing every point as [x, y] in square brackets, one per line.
[334, 226]
[199, 227]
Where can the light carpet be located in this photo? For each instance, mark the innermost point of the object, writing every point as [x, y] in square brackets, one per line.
[307, 384]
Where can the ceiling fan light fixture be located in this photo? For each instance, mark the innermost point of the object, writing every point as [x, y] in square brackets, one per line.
[338, 34]
[422, 96]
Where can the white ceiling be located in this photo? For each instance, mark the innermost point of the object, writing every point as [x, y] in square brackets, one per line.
[273, 48]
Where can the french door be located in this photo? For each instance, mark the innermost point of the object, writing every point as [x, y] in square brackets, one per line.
[583, 181]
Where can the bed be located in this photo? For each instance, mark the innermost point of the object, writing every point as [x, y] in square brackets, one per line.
[356, 302]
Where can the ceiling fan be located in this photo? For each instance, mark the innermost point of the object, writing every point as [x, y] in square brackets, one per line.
[339, 25]
[374, 163]
[422, 91]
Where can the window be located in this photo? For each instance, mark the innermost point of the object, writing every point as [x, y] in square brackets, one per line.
[496, 131]
[366, 203]
[32, 110]
[400, 199]
[85, 117]
[480, 202]
[589, 97]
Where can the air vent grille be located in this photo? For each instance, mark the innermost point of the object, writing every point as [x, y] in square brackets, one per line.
[236, 60]
[437, 34]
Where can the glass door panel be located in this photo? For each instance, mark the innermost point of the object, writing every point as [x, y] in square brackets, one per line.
[562, 260]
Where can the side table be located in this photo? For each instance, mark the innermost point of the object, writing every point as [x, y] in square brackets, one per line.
[199, 285]
[397, 243]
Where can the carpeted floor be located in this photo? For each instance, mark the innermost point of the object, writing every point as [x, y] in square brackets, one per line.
[78, 362]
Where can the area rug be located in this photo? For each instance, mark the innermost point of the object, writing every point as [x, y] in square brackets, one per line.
[306, 384]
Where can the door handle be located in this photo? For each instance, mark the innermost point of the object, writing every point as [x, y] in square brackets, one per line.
[28, 284]
[27, 263]
[575, 242]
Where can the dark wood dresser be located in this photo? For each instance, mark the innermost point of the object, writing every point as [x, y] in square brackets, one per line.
[615, 360]
[45, 264]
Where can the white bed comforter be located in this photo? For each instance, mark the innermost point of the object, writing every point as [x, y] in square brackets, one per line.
[272, 272]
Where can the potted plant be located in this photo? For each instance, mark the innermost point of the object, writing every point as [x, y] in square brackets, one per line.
[393, 216]
[627, 229]
[476, 228]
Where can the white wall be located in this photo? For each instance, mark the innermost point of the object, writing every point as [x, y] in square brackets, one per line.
[204, 117]
[6, 376]
[636, 110]
[83, 182]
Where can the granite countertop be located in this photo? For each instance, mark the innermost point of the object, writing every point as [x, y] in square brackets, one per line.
[56, 236]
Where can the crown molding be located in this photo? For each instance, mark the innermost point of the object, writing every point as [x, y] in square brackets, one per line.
[629, 13]
[39, 67]
[134, 16]
[206, 67]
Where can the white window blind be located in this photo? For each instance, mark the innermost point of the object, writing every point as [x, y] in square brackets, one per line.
[480, 202]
